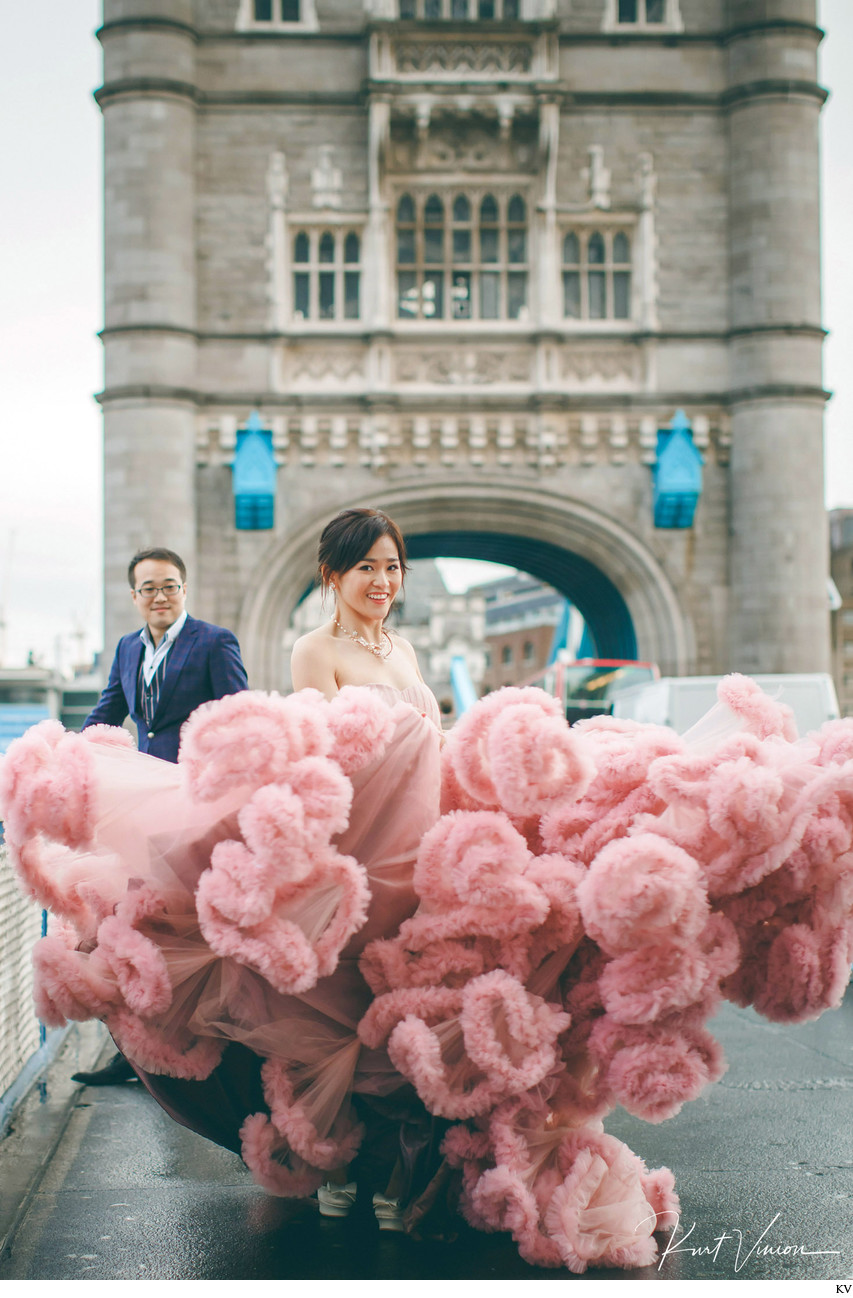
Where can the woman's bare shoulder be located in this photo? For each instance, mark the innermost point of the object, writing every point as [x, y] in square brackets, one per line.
[317, 641]
[400, 642]
[314, 662]
[312, 653]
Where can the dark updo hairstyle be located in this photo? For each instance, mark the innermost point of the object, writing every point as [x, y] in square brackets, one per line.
[350, 536]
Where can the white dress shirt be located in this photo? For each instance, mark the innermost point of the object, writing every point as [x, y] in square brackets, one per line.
[153, 657]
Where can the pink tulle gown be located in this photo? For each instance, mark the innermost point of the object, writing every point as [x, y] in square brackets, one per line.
[213, 913]
[309, 963]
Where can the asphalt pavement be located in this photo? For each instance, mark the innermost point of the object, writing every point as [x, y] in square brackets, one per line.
[99, 1184]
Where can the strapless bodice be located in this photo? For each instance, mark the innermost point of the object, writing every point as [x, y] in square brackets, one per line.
[420, 697]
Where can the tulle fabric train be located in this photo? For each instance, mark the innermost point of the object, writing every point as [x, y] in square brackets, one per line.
[313, 1034]
[149, 844]
[285, 934]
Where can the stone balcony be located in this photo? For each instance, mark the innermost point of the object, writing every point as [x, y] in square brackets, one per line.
[497, 69]
[426, 74]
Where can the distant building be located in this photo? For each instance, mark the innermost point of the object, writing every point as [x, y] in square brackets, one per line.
[32, 694]
[841, 569]
[521, 616]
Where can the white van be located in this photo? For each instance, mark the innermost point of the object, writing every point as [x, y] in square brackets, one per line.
[679, 701]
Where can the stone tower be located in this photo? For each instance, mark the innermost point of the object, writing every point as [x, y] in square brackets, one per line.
[465, 258]
[779, 606]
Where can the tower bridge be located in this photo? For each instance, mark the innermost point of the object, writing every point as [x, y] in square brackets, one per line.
[464, 260]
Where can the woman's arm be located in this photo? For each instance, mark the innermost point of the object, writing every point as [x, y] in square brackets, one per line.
[312, 665]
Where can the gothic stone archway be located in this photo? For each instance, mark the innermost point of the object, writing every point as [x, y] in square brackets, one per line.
[541, 531]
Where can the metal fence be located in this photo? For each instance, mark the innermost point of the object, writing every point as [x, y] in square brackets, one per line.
[20, 926]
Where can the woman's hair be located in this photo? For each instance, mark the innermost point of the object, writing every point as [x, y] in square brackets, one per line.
[350, 536]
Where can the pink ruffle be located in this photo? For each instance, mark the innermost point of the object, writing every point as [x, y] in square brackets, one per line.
[553, 945]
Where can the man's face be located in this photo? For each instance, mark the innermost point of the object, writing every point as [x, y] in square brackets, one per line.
[159, 608]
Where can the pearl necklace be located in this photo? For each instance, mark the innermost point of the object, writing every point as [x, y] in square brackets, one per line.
[378, 650]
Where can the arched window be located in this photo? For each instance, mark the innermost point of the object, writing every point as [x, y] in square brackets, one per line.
[434, 230]
[462, 253]
[621, 277]
[516, 305]
[275, 11]
[642, 11]
[326, 275]
[462, 256]
[596, 279]
[506, 655]
[326, 278]
[529, 652]
[352, 277]
[571, 276]
[301, 278]
[597, 275]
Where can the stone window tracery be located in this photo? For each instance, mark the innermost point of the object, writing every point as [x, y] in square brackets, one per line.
[642, 15]
[596, 275]
[276, 11]
[460, 10]
[462, 256]
[272, 15]
[326, 275]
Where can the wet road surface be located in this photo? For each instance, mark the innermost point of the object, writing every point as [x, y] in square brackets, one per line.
[765, 1157]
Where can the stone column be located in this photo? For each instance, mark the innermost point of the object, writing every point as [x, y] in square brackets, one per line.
[377, 295]
[549, 283]
[149, 397]
[779, 552]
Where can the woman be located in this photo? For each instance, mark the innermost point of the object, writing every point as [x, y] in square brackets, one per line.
[362, 562]
[230, 977]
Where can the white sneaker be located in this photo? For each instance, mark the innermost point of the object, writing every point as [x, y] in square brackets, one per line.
[336, 1200]
[388, 1213]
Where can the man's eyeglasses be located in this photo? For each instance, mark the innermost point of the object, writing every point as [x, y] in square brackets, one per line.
[169, 589]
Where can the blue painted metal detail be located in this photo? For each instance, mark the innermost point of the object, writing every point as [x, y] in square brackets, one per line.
[464, 694]
[32, 1073]
[254, 477]
[42, 1028]
[677, 475]
[16, 719]
[560, 637]
[587, 647]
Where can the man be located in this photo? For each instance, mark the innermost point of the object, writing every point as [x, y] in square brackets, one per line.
[159, 676]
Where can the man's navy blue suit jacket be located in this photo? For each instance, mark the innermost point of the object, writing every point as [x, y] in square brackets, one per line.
[204, 663]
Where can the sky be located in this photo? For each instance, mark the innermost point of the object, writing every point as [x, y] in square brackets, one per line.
[50, 357]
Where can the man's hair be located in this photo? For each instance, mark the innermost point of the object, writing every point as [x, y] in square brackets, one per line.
[155, 552]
